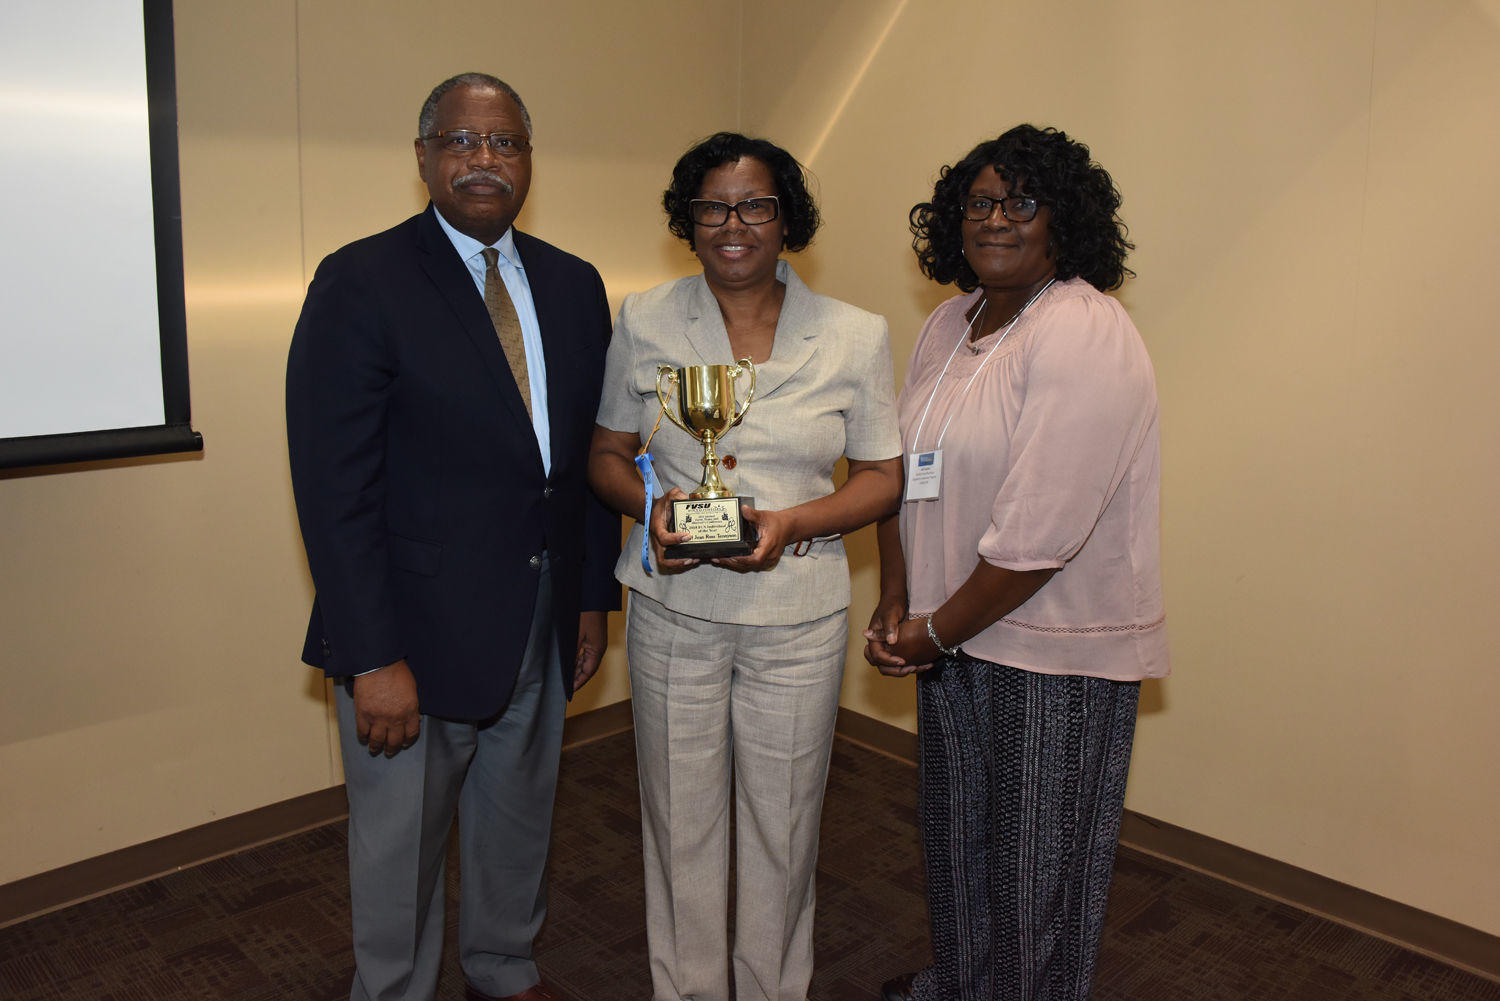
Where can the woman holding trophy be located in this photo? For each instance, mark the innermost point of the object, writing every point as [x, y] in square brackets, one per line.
[737, 648]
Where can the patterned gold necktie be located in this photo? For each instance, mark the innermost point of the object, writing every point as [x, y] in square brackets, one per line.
[507, 324]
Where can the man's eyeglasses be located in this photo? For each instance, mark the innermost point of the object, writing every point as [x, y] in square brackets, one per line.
[463, 142]
[1017, 208]
[752, 211]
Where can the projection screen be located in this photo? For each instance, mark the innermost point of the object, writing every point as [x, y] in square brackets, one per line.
[93, 332]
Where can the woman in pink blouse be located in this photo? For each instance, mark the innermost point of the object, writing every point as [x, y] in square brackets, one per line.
[1021, 580]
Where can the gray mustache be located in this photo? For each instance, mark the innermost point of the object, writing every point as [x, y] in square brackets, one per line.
[483, 177]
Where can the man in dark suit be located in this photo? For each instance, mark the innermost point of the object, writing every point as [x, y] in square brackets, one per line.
[441, 391]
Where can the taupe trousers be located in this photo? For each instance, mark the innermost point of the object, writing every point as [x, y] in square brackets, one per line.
[753, 705]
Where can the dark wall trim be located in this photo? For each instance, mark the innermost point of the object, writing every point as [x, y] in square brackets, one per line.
[1444, 940]
[1420, 931]
[72, 884]
[596, 724]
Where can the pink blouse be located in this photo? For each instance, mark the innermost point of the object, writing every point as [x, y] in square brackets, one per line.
[1051, 459]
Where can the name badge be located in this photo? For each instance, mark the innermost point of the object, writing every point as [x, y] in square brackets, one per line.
[924, 472]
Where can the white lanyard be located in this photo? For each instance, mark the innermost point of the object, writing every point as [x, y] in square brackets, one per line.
[1004, 334]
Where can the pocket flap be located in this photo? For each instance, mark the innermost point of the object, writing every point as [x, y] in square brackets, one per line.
[415, 555]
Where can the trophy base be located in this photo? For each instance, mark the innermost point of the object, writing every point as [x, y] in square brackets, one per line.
[718, 528]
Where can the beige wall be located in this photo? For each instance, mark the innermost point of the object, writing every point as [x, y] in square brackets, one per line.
[1309, 186]
[1311, 189]
[152, 611]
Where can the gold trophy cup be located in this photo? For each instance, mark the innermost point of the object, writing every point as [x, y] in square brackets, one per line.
[708, 408]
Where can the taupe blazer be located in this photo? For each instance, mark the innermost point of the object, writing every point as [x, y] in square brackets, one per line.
[827, 391]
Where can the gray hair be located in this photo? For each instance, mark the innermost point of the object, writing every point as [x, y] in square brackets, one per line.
[427, 119]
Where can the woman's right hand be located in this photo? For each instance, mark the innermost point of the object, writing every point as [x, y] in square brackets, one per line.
[662, 537]
[885, 621]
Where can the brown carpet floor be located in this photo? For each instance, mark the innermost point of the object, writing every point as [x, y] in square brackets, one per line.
[271, 923]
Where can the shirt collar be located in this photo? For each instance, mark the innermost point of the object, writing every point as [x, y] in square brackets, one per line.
[468, 247]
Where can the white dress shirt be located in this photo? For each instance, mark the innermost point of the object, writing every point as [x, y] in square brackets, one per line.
[513, 273]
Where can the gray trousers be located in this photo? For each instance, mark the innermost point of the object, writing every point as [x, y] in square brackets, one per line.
[752, 706]
[500, 774]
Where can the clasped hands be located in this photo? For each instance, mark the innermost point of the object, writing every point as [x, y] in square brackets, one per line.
[897, 645]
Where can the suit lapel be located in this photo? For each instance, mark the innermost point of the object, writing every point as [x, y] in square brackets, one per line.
[557, 342]
[796, 334]
[564, 316]
[456, 286]
[705, 331]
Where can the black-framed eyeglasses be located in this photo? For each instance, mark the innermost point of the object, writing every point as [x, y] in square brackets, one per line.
[752, 211]
[464, 141]
[1016, 208]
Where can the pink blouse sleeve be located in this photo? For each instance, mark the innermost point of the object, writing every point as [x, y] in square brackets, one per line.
[1090, 396]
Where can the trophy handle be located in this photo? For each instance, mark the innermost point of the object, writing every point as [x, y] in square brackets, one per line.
[670, 374]
[744, 365]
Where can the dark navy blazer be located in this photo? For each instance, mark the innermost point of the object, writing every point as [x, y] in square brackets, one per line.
[419, 484]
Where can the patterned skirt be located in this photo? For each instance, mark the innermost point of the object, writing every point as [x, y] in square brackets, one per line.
[1022, 780]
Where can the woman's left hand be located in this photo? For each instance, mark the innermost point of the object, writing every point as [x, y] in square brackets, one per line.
[775, 531]
[884, 628]
[913, 647]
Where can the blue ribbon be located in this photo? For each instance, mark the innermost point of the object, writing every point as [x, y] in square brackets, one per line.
[648, 474]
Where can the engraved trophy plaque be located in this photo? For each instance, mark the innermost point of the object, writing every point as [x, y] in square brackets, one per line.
[707, 407]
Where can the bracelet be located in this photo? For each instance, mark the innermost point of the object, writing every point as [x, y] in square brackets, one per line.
[946, 651]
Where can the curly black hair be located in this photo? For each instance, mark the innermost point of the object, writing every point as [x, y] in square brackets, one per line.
[1087, 234]
[799, 213]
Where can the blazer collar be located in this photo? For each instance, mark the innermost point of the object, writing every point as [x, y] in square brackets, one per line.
[796, 334]
[469, 248]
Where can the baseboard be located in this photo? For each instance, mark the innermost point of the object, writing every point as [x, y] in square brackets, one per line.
[1432, 935]
[1420, 931]
[874, 735]
[94, 877]
[596, 724]
[1445, 940]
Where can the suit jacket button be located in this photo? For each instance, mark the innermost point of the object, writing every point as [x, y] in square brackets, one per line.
[547, 491]
[535, 562]
[327, 650]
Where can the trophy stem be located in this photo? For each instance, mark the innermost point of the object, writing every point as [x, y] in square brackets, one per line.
[711, 486]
